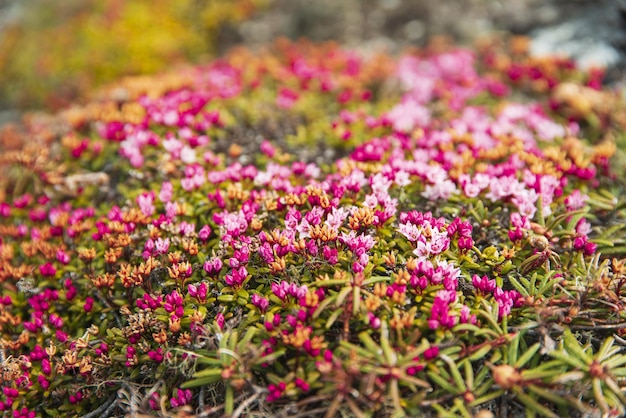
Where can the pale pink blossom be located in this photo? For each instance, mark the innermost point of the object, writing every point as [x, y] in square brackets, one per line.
[442, 190]
[576, 200]
[408, 115]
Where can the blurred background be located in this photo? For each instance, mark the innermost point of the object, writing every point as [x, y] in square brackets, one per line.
[52, 52]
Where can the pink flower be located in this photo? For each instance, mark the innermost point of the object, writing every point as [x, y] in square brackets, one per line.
[181, 398]
[440, 190]
[187, 155]
[156, 355]
[213, 266]
[502, 187]
[154, 402]
[330, 255]
[236, 277]
[406, 116]
[162, 245]
[199, 292]
[275, 391]
[219, 320]
[5, 210]
[45, 383]
[204, 233]
[47, 270]
[145, 202]
[286, 98]
[374, 321]
[260, 302]
[431, 353]
[483, 284]
[506, 299]
[267, 148]
[590, 248]
[576, 200]
[62, 257]
[466, 317]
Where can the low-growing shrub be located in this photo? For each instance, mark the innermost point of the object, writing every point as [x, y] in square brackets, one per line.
[309, 231]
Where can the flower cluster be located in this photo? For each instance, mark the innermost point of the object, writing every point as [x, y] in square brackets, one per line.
[422, 235]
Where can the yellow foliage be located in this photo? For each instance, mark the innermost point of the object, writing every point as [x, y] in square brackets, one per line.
[62, 48]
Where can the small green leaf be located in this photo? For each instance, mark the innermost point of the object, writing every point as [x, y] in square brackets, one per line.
[487, 398]
[333, 317]
[532, 404]
[454, 370]
[480, 353]
[371, 345]
[528, 354]
[208, 373]
[342, 295]
[200, 382]
[442, 383]
[271, 357]
[226, 298]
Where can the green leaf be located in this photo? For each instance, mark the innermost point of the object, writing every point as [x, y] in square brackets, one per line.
[209, 361]
[454, 370]
[442, 383]
[549, 395]
[528, 354]
[369, 343]
[208, 373]
[226, 298]
[200, 382]
[569, 359]
[572, 376]
[480, 353]
[362, 351]
[333, 317]
[487, 398]
[342, 295]
[573, 347]
[532, 404]
[389, 353]
[513, 350]
[324, 304]
[614, 361]
[271, 357]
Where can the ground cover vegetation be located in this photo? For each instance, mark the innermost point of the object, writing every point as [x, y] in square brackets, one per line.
[107, 39]
[309, 231]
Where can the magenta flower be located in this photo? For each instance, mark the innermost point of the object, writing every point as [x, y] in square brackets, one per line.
[5, 210]
[483, 284]
[204, 233]
[88, 304]
[47, 270]
[156, 355]
[286, 98]
[260, 302]
[182, 397]
[219, 320]
[506, 299]
[267, 148]
[275, 391]
[62, 257]
[213, 266]
[236, 277]
[199, 292]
